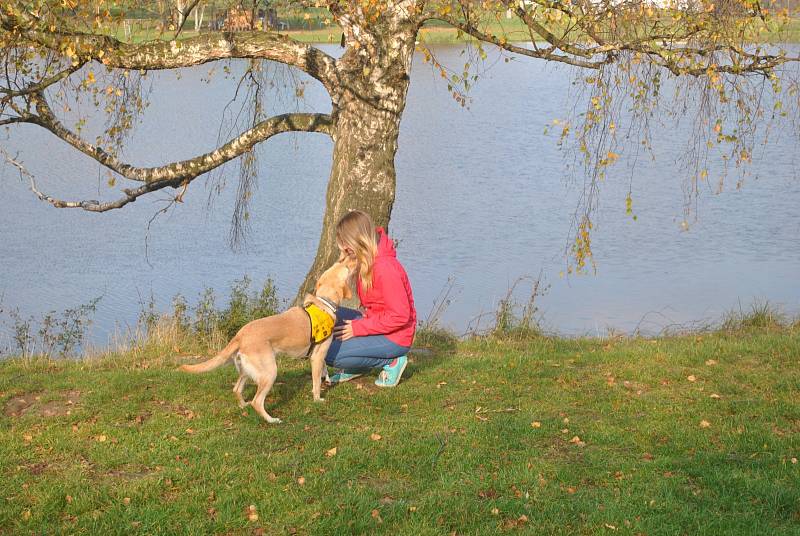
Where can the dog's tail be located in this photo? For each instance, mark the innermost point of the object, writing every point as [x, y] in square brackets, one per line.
[217, 361]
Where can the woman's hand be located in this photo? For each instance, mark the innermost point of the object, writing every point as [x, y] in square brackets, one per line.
[344, 331]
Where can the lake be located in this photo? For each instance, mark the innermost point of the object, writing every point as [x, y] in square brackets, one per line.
[481, 198]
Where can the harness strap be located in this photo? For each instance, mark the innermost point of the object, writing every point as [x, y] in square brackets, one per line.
[311, 333]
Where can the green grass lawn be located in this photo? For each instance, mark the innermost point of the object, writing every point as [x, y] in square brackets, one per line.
[434, 33]
[686, 435]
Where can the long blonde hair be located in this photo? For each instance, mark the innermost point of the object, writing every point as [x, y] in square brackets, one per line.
[356, 231]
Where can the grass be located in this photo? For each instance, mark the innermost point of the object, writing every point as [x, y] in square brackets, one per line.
[693, 434]
[433, 33]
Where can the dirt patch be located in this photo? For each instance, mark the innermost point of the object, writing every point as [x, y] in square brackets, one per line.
[17, 405]
[366, 383]
[31, 404]
[37, 468]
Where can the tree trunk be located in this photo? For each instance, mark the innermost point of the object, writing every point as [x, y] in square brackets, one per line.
[366, 116]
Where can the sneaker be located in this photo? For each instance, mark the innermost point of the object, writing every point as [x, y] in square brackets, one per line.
[390, 375]
[342, 376]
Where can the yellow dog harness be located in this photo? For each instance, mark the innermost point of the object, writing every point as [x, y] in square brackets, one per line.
[321, 323]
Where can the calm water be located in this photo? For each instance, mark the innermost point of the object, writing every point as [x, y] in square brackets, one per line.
[480, 198]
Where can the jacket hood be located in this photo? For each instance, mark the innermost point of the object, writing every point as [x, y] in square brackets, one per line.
[385, 244]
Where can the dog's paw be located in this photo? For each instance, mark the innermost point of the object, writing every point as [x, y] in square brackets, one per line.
[319, 400]
[274, 420]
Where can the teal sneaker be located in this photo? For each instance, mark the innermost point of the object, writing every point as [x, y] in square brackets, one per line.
[342, 376]
[390, 375]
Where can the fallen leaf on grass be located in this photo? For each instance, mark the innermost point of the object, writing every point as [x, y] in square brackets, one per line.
[331, 453]
[577, 441]
[126, 501]
[301, 481]
[495, 511]
[376, 515]
[571, 490]
[691, 378]
[412, 508]
[536, 424]
[212, 513]
[27, 438]
[251, 514]
[490, 493]
[611, 527]
[509, 524]
[794, 460]
[704, 424]
[715, 396]
[375, 437]
[101, 438]
[26, 515]
[68, 498]
[439, 385]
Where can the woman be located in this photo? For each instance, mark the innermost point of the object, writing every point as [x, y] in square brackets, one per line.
[381, 336]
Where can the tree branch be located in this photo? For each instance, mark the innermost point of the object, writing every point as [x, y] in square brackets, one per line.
[175, 175]
[40, 86]
[185, 169]
[159, 55]
[542, 54]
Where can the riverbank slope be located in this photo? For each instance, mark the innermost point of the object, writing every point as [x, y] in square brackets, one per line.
[544, 435]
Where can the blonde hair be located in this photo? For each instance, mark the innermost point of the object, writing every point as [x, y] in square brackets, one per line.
[356, 231]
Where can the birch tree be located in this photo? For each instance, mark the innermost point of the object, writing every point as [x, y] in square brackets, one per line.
[622, 51]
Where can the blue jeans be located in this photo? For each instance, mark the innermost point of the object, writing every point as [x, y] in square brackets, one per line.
[371, 351]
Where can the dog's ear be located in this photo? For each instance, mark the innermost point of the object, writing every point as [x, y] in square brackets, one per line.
[308, 299]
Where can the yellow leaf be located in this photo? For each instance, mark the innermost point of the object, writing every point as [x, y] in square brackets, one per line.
[704, 424]
[330, 453]
[711, 362]
[691, 378]
[301, 481]
[26, 515]
[536, 424]
[577, 441]
[375, 437]
[715, 396]
[101, 438]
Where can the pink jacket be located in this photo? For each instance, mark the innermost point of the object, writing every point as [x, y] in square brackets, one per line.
[389, 304]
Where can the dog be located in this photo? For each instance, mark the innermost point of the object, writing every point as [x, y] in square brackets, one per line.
[254, 347]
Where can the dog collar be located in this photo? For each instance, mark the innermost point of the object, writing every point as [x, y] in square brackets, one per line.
[329, 305]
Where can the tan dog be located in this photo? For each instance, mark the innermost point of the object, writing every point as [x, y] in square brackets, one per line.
[254, 347]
